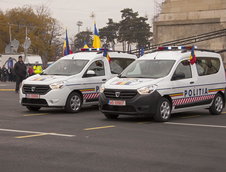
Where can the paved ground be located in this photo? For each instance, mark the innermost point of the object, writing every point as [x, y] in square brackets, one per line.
[52, 140]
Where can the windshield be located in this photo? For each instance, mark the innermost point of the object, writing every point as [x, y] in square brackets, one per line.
[66, 67]
[117, 65]
[148, 69]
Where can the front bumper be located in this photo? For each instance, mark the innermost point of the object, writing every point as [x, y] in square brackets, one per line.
[53, 98]
[138, 105]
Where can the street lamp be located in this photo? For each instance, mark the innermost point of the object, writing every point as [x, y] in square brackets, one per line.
[79, 24]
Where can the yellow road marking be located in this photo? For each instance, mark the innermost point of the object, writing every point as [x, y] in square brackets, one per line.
[223, 112]
[36, 114]
[194, 116]
[34, 135]
[7, 89]
[97, 128]
[36, 132]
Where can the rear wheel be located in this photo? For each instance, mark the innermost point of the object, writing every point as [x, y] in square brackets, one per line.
[163, 110]
[33, 108]
[111, 116]
[217, 105]
[74, 102]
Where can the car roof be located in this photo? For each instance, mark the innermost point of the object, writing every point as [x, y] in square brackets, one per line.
[177, 55]
[92, 55]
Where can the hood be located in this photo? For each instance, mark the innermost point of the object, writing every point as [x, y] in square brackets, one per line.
[130, 83]
[45, 79]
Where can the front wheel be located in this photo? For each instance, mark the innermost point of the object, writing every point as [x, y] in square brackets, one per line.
[217, 105]
[33, 108]
[111, 116]
[74, 102]
[163, 110]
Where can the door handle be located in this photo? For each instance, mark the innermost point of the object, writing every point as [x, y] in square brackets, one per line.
[192, 82]
[104, 79]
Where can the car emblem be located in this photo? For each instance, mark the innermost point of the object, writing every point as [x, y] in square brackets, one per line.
[117, 94]
[33, 89]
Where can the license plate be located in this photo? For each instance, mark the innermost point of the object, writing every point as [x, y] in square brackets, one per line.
[33, 96]
[117, 102]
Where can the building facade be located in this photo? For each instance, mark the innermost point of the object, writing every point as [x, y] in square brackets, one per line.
[185, 18]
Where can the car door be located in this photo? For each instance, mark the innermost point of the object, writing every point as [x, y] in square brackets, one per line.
[182, 86]
[94, 76]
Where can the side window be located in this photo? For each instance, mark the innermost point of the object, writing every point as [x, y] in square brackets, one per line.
[97, 67]
[183, 71]
[207, 65]
[117, 65]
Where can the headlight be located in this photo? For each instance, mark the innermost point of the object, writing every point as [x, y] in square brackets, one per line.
[102, 88]
[147, 89]
[57, 85]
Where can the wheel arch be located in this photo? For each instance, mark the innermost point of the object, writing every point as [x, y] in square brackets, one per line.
[170, 100]
[223, 96]
[75, 91]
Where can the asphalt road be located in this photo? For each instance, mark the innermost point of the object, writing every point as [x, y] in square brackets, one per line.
[52, 140]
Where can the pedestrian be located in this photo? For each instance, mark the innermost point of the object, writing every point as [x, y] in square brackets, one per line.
[0, 74]
[20, 70]
[4, 74]
[37, 68]
[30, 70]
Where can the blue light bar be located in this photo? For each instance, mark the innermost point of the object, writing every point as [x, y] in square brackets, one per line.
[176, 48]
[92, 49]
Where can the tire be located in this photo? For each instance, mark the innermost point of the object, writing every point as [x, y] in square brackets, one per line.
[163, 112]
[33, 108]
[111, 116]
[217, 105]
[74, 103]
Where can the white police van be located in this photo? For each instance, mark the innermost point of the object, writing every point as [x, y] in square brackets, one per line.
[165, 82]
[73, 80]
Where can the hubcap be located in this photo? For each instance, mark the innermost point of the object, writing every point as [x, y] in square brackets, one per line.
[165, 110]
[75, 103]
[219, 104]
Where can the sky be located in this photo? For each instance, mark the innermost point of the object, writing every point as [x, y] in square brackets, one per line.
[69, 12]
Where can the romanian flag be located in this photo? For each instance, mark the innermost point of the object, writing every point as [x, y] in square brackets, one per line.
[192, 57]
[66, 48]
[85, 45]
[105, 54]
[96, 38]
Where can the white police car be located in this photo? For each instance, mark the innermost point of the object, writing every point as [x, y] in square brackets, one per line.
[164, 82]
[73, 80]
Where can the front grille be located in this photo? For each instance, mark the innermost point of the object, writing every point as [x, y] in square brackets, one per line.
[36, 89]
[26, 101]
[120, 94]
[119, 108]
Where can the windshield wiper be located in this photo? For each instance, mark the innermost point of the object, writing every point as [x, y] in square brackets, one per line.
[120, 76]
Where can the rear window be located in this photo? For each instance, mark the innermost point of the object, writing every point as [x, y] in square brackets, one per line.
[117, 65]
[207, 65]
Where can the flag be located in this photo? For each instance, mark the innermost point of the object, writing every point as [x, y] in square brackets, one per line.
[66, 48]
[142, 51]
[105, 54]
[192, 57]
[96, 38]
[85, 45]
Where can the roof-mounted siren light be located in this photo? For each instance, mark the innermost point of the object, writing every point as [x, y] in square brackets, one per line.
[92, 49]
[176, 48]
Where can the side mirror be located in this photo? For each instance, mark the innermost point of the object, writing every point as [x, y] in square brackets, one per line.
[177, 76]
[90, 73]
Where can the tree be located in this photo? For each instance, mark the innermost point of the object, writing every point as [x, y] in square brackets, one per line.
[81, 38]
[110, 33]
[43, 30]
[133, 29]
[4, 30]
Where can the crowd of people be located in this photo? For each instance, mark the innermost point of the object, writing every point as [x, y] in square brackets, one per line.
[7, 74]
[19, 72]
